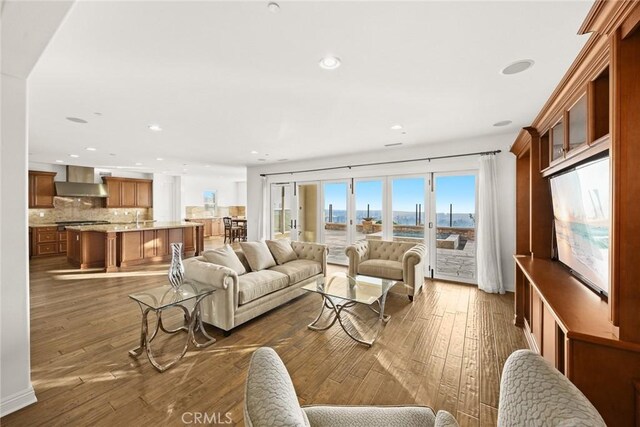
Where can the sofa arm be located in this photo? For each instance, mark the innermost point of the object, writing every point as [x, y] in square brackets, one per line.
[208, 273]
[531, 390]
[357, 253]
[413, 267]
[312, 251]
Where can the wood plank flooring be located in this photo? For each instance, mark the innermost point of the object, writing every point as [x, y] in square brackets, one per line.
[445, 350]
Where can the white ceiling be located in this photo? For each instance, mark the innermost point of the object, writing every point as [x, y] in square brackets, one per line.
[225, 78]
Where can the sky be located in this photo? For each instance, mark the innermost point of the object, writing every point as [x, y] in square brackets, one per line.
[406, 192]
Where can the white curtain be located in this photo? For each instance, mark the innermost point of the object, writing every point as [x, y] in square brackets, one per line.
[488, 239]
[264, 215]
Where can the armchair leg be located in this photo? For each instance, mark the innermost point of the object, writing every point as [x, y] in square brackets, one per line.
[411, 298]
[227, 333]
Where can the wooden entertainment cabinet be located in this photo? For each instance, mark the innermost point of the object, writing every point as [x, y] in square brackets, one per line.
[596, 108]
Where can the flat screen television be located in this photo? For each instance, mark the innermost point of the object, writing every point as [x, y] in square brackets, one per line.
[581, 210]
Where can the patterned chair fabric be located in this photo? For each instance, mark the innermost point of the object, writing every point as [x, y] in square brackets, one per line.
[270, 400]
[533, 393]
[390, 260]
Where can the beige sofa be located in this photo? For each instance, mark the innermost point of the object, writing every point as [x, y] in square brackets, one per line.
[390, 260]
[240, 298]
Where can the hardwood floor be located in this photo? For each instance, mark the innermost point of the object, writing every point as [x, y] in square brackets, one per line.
[445, 350]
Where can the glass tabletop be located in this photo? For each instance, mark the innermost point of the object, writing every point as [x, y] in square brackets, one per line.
[360, 289]
[166, 296]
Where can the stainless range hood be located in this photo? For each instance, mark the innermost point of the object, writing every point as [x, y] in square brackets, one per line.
[80, 183]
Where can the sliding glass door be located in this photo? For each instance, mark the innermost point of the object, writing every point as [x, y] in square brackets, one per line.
[281, 213]
[369, 208]
[453, 241]
[336, 220]
[408, 209]
[308, 214]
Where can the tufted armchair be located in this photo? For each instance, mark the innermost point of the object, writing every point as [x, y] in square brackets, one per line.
[270, 400]
[390, 260]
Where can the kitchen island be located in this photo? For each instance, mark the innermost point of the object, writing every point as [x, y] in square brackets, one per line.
[118, 246]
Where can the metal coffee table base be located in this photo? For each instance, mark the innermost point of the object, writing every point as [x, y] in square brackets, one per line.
[327, 302]
[193, 322]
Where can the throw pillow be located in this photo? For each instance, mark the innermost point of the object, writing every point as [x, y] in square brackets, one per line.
[258, 255]
[281, 250]
[226, 257]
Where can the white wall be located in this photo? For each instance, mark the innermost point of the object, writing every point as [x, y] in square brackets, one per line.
[506, 178]
[27, 28]
[166, 197]
[228, 192]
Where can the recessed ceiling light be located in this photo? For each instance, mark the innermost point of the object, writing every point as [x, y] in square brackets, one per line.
[502, 123]
[396, 127]
[273, 7]
[138, 164]
[207, 166]
[112, 154]
[75, 156]
[329, 62]
[59, 161]
[97, 114]
[155, 128]
[393, 144]
[254, 152]
[160, 159]
[90, 149]
[404, 133]
[76, 120]
[119, 167]
[185, 170]
[262, 160]
[282, 160]
[517, 67]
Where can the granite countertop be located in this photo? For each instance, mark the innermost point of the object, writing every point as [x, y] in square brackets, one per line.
[107, 228]
[199, 218]
[43, 225]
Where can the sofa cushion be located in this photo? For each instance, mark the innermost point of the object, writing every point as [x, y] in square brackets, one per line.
[226, 257]
[258, 255]
[384, 268]
[256, 284]
[243, 259]
[281, 250]
[299, 269]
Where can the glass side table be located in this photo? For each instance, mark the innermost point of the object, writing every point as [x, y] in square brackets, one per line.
[165, 297]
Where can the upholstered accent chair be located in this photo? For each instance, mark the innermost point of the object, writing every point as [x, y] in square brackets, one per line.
[389, 260]
[533, 393]
[270, 400]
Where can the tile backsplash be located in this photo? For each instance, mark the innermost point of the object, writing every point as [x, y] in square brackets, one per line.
[220, 211]
[87, 209]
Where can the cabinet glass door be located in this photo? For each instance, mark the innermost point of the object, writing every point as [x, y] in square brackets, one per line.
[557, 139]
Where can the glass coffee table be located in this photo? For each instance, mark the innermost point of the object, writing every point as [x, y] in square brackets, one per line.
[340, 292]
[165, 297]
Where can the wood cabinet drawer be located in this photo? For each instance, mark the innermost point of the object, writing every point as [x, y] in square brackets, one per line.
[46, 249]
[46, 236]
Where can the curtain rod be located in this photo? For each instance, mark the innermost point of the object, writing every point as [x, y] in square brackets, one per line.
[428, 159]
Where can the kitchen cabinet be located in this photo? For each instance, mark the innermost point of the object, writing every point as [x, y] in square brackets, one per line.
[128, 192]
[212, 226]
[41, 189]
[47, 241]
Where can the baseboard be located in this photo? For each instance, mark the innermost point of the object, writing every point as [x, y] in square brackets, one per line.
[17, 401]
